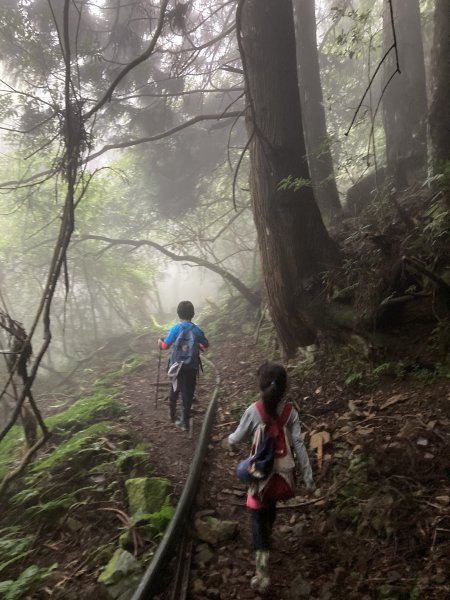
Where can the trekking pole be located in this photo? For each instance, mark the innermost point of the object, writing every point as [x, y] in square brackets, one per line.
[157, 378]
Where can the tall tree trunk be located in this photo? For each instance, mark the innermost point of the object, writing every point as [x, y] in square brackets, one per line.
[440, 106]
[294, 243]
[404, 101]
[313, 112]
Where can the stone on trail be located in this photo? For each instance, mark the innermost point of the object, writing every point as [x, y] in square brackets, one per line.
[213, 531]
[299, 589]
[203, 555]
[198, 587]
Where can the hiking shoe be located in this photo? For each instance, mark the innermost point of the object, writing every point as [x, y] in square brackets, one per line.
[181, 425]
[260, 583]
[261, 580]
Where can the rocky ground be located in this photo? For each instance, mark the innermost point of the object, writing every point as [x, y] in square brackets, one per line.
[378, 526]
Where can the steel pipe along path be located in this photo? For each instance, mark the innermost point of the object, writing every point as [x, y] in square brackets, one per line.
[150, 582]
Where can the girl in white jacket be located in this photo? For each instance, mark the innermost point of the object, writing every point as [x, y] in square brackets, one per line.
[272, 383]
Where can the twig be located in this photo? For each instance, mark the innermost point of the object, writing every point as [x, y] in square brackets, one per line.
[225, 424]
[369, 85]
[393, 46]
[307, 503]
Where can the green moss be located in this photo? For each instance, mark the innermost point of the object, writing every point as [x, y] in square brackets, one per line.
[440, 372]
[393, 592]
[10, 448]
[347, 514]
[26, 497]
[53, 507]
[131, 363]
[153, 525]
[14, 546]
[72, 446]
[31, 579]
[100, 405]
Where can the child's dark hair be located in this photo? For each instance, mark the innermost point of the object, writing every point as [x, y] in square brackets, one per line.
[185, 310]
[272, 383]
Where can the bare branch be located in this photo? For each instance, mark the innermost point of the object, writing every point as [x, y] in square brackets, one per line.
[11, 185]
[253, 298]
[166, 133]
[130, 66]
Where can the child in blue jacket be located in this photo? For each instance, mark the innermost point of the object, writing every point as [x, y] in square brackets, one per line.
[183, 376]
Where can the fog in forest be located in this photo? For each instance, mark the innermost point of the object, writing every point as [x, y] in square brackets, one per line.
[185, 192]
[284, 165]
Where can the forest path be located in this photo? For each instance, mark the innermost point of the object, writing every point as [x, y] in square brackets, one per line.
[330, 545]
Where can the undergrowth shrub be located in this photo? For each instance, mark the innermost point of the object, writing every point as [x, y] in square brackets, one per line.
[10, 449]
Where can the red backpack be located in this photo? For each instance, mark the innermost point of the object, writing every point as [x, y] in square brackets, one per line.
[280, 483]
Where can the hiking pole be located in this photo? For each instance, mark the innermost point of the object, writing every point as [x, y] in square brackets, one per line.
[157, 378]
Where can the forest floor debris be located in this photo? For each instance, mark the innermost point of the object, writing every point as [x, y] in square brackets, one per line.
[377, 528]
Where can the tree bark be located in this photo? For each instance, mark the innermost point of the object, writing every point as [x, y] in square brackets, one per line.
[439, 119]
[294, 243]
[313, 112]
[404, 100]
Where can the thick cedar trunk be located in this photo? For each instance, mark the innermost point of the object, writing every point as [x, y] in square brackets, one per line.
[294, 243]
[404, 102]
[313, 112]
[440, 107]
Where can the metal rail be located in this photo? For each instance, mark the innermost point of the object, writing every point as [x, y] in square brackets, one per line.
[151, 581]
[181, 581]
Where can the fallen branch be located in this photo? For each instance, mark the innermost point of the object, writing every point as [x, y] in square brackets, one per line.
[307, 503]
[412, 262]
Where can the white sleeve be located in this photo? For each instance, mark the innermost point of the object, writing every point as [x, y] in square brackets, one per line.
[244, 430]
[293, 426]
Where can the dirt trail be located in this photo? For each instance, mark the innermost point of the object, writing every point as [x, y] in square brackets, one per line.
[330, 546]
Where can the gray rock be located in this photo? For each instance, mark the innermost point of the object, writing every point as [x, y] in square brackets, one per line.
[198, 586]
[214, 579]
[213, 531]
[121, 575]
[203, 554]
[297, 529]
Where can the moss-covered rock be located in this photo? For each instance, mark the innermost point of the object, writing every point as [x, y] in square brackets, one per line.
[121, 564]
[146, 496]
[126, 540]
[151, 525]
[121, 575]
[213, 531]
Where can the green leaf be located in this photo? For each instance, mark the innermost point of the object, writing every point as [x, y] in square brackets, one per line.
[31, 578]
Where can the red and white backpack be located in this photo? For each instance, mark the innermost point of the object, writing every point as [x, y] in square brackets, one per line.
[280, 483]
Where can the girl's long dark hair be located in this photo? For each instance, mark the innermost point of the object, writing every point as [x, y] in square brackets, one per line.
[272, 383]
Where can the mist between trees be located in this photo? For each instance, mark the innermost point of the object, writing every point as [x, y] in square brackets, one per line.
[223, 137]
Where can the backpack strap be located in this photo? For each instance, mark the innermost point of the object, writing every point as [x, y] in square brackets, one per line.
[265, 417]
[268, 419]
[285, 414]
